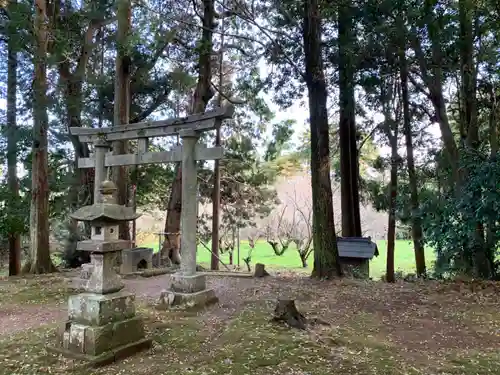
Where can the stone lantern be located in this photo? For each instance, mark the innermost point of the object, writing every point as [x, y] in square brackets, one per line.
[102, 322]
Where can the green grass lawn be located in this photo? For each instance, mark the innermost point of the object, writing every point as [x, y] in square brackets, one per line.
[263, 253]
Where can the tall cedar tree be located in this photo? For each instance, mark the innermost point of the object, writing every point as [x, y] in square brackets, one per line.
[14, 237]
[416, 224]
[202, 95]
[326, 260]
[40, 261]
[122, 103]
[349, 164]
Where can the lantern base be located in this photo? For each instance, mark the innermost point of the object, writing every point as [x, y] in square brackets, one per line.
[106, 358]
[101, 328]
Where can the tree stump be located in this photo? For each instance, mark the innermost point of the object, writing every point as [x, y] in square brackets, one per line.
[287, 312]
[260, 270]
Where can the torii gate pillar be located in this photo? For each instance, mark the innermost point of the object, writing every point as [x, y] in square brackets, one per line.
[188, 287]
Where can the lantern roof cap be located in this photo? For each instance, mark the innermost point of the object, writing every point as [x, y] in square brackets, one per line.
[107, 209]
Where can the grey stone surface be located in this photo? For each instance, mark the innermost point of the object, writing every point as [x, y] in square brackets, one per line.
[188, 283]
[96, 309]
[97, 340]
[104, 279]
[100, 172]
[169, 298]
[189, 203]
[100, 246]
[132, 259]
[86, 271]
[105, 211]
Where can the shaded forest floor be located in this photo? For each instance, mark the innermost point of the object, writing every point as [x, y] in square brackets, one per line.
[375, 328]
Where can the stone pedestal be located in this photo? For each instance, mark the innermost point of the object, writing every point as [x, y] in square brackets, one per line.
[187, 290]
[102, 326]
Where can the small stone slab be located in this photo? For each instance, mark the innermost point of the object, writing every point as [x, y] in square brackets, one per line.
[199, 299]
[188, 283]
[107, 358]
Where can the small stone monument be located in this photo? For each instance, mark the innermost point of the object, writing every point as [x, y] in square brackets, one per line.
[102, 326]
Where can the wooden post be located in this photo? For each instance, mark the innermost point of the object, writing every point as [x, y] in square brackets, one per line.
[238, 240]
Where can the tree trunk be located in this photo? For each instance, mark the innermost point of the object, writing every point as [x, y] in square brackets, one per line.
[433, 79]
[391, 125]
[39, 214]
[122, 104]
[326, 260]
[202, 95]
[214, 260]
[349, 168]
[493, 130]
[393, 191]
[482, 261]
[416, 225]
[278, 249]
[82, 187]
[14, 236]
[303, 259]
[170, 248]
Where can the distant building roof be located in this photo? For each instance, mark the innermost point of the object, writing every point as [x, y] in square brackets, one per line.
[357, 247]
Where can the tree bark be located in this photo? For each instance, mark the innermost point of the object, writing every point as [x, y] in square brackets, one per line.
[122, 104]
[202, 95]
[433, 80]
[493, 133]
[391, 126]
[214, 260]
[349, 167]
[393, 191]
[326, 260]
[14, 236]
[416, 225]
[483, 261]
[170, 248]
[39, 214]
[303, 259]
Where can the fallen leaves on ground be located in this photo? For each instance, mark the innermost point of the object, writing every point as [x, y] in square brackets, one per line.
[374, 328]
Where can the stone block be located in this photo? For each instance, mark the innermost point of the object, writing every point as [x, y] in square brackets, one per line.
[78, 283]
[102, 345]
[198, 299]
[104, 279]
[98, 309]
[99, 340]
[74, 338]
[86, 271]
[135, 259]
[188, 284]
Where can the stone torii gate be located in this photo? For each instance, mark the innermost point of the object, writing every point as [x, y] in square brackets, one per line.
[187, 285]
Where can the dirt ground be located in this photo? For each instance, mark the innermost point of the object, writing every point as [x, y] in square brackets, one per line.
[373, 328]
